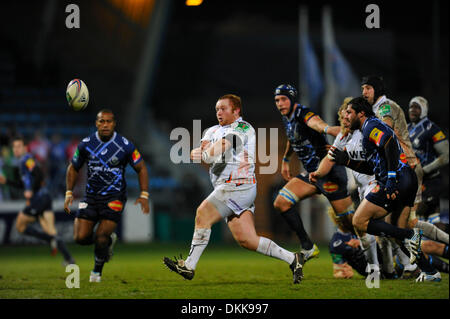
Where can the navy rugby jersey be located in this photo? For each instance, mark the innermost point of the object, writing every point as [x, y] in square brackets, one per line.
[375, 135]
[106, 163]
[309, 145]
[423, 136]
[30, 173]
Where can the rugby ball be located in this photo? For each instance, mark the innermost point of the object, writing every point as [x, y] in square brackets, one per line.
[77, 95]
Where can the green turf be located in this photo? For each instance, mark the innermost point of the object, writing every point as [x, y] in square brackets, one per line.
[224, 272]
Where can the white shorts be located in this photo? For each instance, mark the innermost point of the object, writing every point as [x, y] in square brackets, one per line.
[230, 199]
[366, 189]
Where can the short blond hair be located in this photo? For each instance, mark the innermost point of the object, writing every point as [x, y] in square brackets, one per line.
[235, 100]
[341, 108]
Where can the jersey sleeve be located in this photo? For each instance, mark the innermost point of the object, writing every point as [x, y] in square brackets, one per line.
[306, 114]
[27, 168]
[339, 141]
[378, 134]
[208, 134]
[386, 110]
[79, 156]
[437, 135]
[134, 157]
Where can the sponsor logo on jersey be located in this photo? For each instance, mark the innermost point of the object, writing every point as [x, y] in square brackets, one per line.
[87, 139]
[114, 161]
[242, 127]
[403, 158]
[337, 243]
[330, 187]
[439, 136]
[76, 155]
[116, 205]
[30, 164]
[375, 136]
[385, 109]
[125, 141]
[136, 156]
[376, 189]
[308, 116]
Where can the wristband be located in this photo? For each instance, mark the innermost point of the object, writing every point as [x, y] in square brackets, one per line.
[144, 195]
[392, 174]
[326, 129]
[285, 159]
[69, 193]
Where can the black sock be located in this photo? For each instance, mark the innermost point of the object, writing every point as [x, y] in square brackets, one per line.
[31, 231]
[292, 217]
[439, 264]
[63, 250]
[425, 264]
[101, 255]
[381, 228]
[445, 254]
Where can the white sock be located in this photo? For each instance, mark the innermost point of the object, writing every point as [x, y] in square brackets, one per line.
[269, 248]
[432, 232]
[199, 242]
[396, 250]
[369, 245]
[386, 249]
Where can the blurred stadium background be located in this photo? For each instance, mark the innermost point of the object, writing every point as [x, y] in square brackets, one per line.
[160, 64]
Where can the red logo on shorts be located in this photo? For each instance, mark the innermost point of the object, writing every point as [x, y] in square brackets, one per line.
[116, 205]
[330, 187]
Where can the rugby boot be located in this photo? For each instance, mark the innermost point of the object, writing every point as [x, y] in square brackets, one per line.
[178, 266]
[309, 254]
[413, 245]
[297, 267]
[95, 277]
[427, 276]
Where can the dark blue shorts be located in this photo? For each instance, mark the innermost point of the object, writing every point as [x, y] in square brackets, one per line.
[333, 186]
[39, 203]
[95, 209]
[407, 189]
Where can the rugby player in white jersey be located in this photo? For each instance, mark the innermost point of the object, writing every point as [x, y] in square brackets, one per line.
[229, 148]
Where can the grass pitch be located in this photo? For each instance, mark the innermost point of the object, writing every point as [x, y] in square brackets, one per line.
[224, 272]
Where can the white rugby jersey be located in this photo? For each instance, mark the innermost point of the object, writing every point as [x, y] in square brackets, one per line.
[352, 142]
[237, 165]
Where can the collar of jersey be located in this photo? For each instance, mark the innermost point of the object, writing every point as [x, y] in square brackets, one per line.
[420, 122]
[237, 120]
[293, 112]
[377, 105]
[111, 139]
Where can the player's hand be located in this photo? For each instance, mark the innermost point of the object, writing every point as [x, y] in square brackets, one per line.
[391, 188]
[145, 207]
[338, 156]
[196, 154]
[285, 172]
[68, 201]
[314, 176]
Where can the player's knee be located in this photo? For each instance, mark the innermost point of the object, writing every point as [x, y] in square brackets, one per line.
[359, 223]
[102, 239]
[81, 240]
[21, 227]
[281, 205]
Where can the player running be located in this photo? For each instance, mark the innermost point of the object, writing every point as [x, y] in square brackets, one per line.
[38, 201]
[229, 148]
[106, 154]
[304, 130]
[396, 183]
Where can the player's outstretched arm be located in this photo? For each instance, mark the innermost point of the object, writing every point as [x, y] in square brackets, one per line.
[319, 125]
[141, 170]
[214, 151]
[71, 178]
